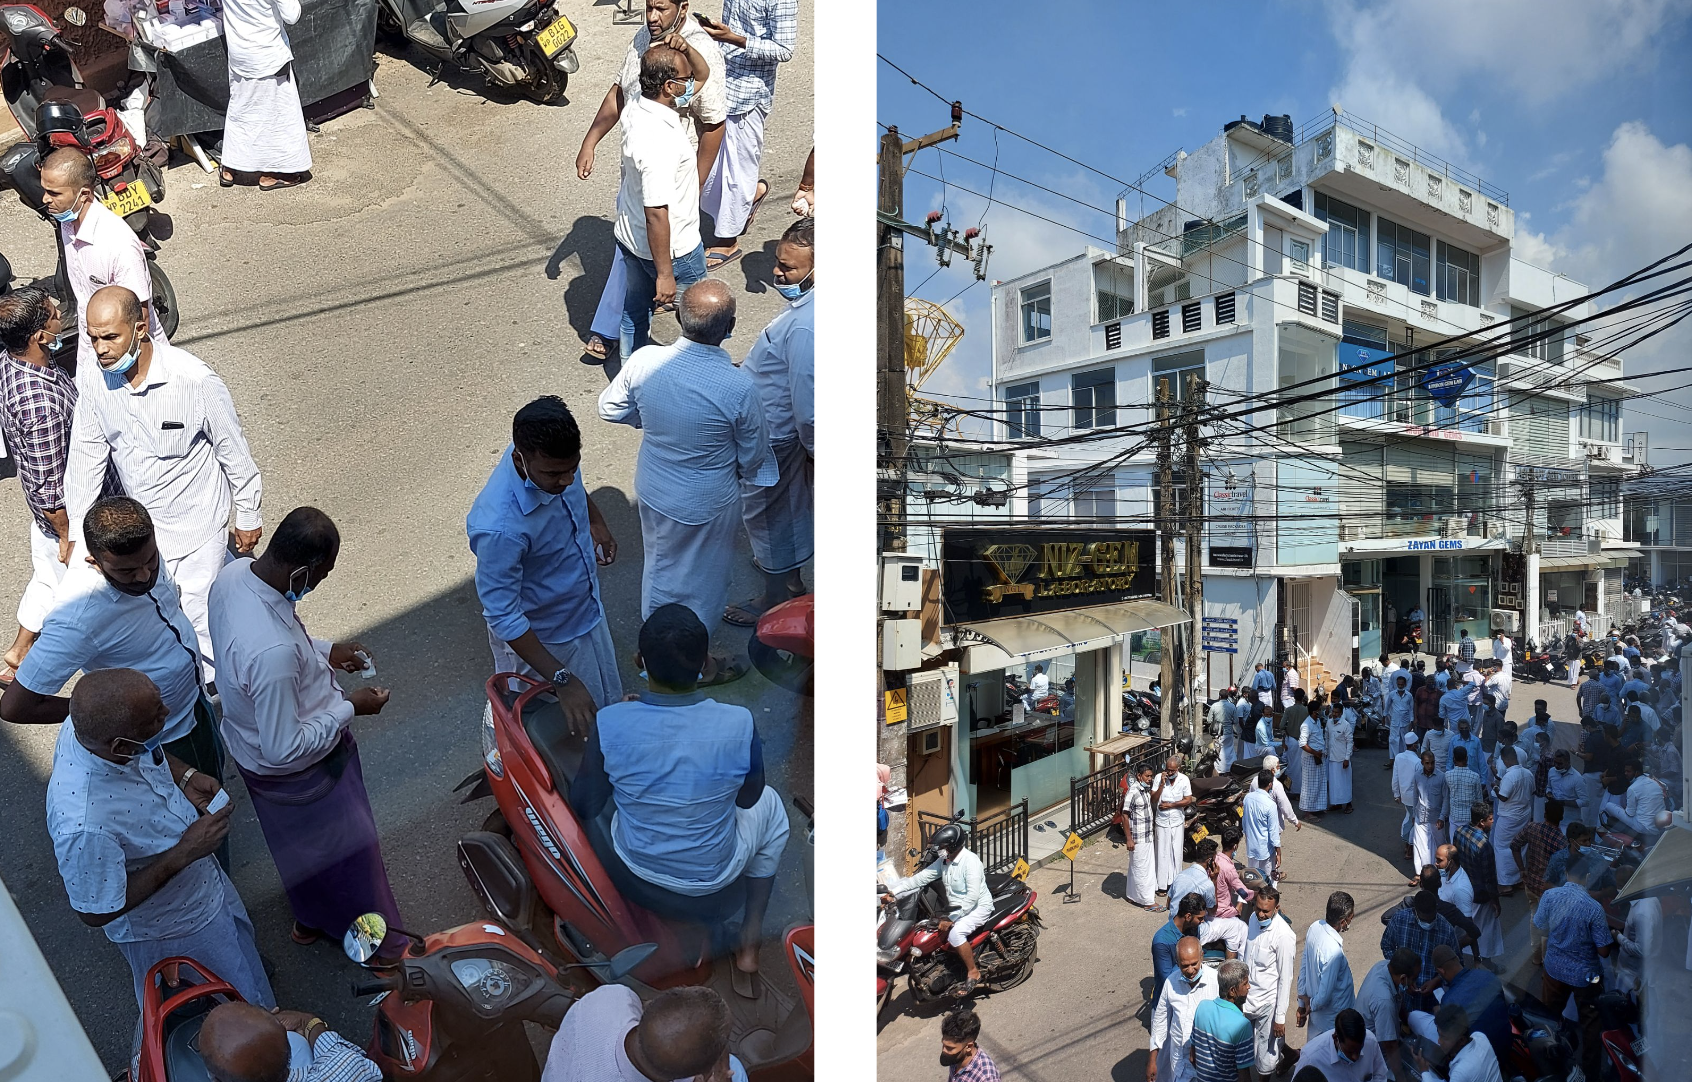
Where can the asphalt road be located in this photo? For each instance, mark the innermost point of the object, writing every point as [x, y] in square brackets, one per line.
[377, 329]
[1083, 1015]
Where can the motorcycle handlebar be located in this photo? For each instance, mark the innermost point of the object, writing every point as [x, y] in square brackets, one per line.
[375, 983]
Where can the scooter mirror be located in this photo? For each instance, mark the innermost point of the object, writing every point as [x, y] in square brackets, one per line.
[364, 937]
[628, 960]
[76, 16]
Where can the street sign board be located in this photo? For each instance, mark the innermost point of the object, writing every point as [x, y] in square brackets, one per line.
[1221, 649]
[895, 706]
[1447, 383]
[1072, 847]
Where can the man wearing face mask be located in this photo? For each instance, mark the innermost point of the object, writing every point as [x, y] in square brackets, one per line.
[703, 443]
[132, 828]
[1347, 1052]
[168, 425]
[100, 248]
[668, 23]
[960, 1049]
[539, 541]
[119, 608]
[285, 722]
[968, 900]
[1191, 984]
[36, 402]
[783, 370]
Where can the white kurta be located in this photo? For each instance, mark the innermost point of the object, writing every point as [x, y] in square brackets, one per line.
[264, 130]
[1515, 805]
[1172, 1022]
[1340, 769]
[1324, 976]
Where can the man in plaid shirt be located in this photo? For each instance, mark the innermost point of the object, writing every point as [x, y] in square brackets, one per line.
[959, 1050]
[1534, 847]
[1474, 855]
[756, 36]
[36, 402]
[1463, 787]
[1420, 928]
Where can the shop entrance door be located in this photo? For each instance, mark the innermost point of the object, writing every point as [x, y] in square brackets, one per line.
[1298, 605]
[1439, 630]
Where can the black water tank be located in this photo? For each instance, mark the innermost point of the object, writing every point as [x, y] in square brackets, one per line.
[1232, 124]
[1280, 127]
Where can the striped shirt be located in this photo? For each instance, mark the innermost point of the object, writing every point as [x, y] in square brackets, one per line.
[1221, 1041]
[770, 27]
[1576, 930]
[177, 445]
[336, 1059]
[36, 406]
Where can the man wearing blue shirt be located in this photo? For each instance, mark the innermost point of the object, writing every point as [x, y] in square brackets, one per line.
[1611, 680]
[539, 542]
[671, 790]
[1577, 935]
[1186, 918]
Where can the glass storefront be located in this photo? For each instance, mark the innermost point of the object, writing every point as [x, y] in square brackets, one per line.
[1027, 746]
[1467, 584]
[1362, 580]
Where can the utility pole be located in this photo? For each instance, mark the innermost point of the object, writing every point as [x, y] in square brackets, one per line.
[1166, 555]
[1530, 569]
[1196, 387]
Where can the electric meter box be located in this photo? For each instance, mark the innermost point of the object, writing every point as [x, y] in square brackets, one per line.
[901, 645]
[901, 582]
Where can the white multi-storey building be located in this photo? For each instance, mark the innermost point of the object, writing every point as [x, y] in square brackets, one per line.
[1294, 263]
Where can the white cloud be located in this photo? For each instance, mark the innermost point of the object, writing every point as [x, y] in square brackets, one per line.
[1182, 111]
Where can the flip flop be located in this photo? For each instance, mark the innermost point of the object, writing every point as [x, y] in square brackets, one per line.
[963, 990]
[304, 936]
[225, 179]
[746, 985]
[713, 260]
[757, 201]
[595, 351]
[741, 616]
[282, 182]
[7, 675]
[728, 671]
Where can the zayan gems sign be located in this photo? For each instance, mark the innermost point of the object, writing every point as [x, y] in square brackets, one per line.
[990, 574]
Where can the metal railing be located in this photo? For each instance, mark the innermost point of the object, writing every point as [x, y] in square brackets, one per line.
[999, 839]
[1095, 798]
[1405, 149]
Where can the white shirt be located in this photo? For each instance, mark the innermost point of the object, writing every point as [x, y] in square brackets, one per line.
[965, 881]
[1324, 974]
[96, 626]
[710, 101]
[108, 820]
[254, 36]
[1644, 799]
[1475, 1062]
[702, 429]
[1179, 789]
[177, 445]
[1040, 684]
[659, 170]
[1172, 1021]
[1457, 890]
[783, 369]
[588, 1046]
[1405, 766]
[1341, 737]
[103, 251]
[1271, 956]
[1322, 1052]
[1377, 1002]
[1279, 792]
[1515, 795]
[1563, 785]
[1639, 940]
[282, 708]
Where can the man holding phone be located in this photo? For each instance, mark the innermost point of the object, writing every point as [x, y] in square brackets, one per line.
[755, 36]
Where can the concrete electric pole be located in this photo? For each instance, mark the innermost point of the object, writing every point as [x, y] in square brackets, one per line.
[1166, 555]
[1194, 527]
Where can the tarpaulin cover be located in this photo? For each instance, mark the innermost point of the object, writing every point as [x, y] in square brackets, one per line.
[334, 46]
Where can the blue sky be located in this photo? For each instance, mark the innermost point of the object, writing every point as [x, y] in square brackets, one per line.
[1581, 110]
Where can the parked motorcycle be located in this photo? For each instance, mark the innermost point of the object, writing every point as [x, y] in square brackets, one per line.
[535, 870]
[783, 645]
[526, 45]
[909, 942]
[452, 1008]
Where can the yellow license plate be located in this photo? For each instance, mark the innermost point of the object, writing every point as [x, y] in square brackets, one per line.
[557, 37]
[131, 199]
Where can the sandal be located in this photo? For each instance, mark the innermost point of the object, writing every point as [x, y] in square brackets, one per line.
[304, 936]
[7, 674]
[728, 671]
[713, 260]
[225, 179]
[595, 350]
[762, 193]
[961, 991]
[746, 985]
[284, 182]
[741, 615]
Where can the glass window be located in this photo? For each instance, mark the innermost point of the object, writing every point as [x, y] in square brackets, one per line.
[1523, 329]
[1306, 368]
[1402, 256]
[1095, 505]
[1459, 275]
[1474, 409]
[1037, 312]
[1113, 288]
[1022, 410]
[1093, 396]
[1600, 419]
[1365, 372]
[1175, 367]
[1347, 241]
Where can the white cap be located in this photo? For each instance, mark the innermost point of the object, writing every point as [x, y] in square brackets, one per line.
[1409, 738]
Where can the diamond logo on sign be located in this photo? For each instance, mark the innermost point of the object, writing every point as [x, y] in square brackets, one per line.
[1011, 561]
[1447, 383]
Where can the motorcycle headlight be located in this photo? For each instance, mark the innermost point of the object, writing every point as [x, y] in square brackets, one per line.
[490, 743]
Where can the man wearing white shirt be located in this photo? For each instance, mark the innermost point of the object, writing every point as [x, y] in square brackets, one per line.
[1515, 811]
[1172, 1013]
[1405, 766]
[118, 608]
[657, 225]
[285, 724]
[782, 365]
[264, 129]
[1277, 791]
[1346, 1053]
[703, 440]
[167, 423]
[1455, 886]
[1468, 1055]
[1643, 802]
[1271, 956]
[1170, 795]
[1401, 713]
[1324, 975]
[1261, 822]
[1039, 684]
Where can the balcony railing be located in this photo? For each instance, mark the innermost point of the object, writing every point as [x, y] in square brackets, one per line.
[1327, 121]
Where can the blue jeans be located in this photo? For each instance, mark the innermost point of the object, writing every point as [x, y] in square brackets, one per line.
[642, 287]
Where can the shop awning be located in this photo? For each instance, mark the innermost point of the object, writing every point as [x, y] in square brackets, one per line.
[1579, 563]
[1034, 638]
[1668, 865]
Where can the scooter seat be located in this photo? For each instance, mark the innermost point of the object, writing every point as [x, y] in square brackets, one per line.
[88, 101]
[560, 751]
[182, 1052]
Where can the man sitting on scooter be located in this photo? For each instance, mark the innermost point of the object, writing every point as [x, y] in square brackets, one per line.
[968, 900]
[671, 791]
[241, 1042]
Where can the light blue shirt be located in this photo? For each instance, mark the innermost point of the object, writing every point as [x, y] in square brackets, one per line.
[1265, 732]
[783, 367]
[1454, 706]
[1476, 755]
[1193, 879]
[1401, 709]
[1261, 822]
[535, 566]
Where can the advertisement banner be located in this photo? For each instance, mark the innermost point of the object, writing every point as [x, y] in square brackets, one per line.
[991, 574]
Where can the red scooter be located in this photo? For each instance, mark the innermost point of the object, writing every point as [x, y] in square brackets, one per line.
[908, 941]
[783, 646]
[178, 995]
[535, 869]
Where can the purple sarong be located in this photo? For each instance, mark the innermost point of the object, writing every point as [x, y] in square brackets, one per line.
[323, 838]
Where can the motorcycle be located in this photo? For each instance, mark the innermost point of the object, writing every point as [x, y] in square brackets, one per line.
[534, 868]
[526, 45]
[176, 997]
[783, 645]
[908, 941]
[452, 1008]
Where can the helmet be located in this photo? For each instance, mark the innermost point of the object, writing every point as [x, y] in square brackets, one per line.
[949, 837]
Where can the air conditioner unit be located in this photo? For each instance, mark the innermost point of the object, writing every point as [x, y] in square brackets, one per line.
[932, 699]
[1506, 620]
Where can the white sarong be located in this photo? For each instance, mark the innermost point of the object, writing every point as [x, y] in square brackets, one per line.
[1504, 832]
[732, 185]
[1491, 943]
[1339, 782]
[687, 564]
[1168, 846]
[264, 128]
[37, 600]
[1142, 872]
[1426, 838]
[779, 517]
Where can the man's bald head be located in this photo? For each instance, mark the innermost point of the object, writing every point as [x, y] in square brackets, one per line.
[659, 65]
[706, 312]
[1189, 955]
[71, 166]
[111, 703]
[111, 303]
[244, 1043]
[684, 1032]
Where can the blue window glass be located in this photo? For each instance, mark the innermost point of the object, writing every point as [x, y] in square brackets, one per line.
[1365, 379]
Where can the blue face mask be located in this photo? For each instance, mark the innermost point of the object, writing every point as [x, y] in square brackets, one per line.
[796, 290]
[123, 364]
[545, 496]
[295, 595]
[64, 216]
[685, 99]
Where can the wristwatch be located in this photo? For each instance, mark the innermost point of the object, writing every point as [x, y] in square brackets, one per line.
[561, 678]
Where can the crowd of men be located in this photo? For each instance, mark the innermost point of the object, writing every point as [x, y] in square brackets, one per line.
[193, 657]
